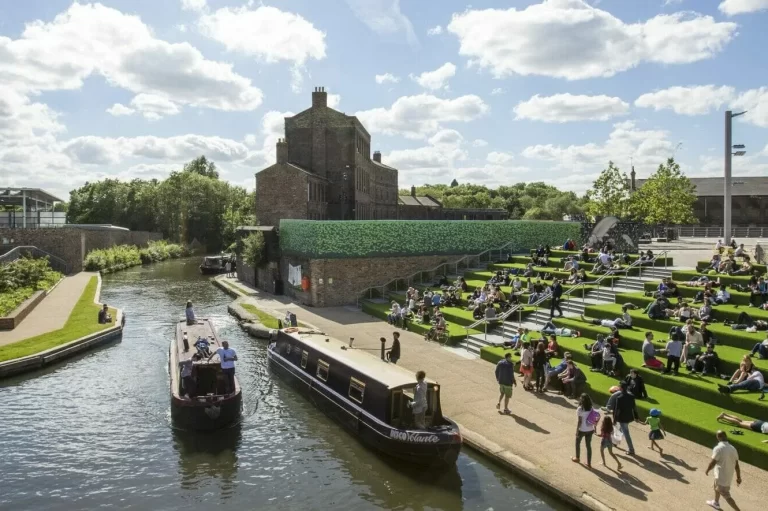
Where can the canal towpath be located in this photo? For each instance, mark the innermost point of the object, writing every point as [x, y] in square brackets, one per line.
[537, 439]
[52, 313]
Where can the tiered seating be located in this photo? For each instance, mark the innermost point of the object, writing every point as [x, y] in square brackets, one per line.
[690, 402]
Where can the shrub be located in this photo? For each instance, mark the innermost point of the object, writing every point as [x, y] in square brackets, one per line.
[120, 257]
[21, 278]
[388, 238]
[253, 248]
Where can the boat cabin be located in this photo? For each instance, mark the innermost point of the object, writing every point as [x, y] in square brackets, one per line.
[216, 263]
[210, 380]
[382, 389]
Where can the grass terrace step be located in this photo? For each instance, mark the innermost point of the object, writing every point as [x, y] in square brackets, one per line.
[563, 254]
[686, 275]
[456, 332]
[728, 311]
[683, 415]
[558, 273]
[700, 265]
[737, 297]
[725, 334]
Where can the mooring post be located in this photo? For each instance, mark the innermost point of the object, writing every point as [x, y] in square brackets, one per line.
[383, 344]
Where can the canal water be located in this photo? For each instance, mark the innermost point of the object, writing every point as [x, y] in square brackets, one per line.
[95, 432]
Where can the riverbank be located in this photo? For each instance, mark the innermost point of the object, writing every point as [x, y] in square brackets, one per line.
[46, 339]
[122, 257]
[536, 441]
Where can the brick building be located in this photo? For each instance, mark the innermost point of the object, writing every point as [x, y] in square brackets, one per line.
[325, 171]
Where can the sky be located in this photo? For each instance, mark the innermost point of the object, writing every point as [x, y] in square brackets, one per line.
[489, 92]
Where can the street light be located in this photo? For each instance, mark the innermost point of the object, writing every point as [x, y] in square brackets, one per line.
[729, 147]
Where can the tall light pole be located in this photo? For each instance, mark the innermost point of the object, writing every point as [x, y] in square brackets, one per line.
[729, 147]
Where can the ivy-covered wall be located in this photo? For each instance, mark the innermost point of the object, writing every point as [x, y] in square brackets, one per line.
[390, 238]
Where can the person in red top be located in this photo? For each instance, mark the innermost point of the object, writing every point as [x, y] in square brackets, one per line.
[552, 347]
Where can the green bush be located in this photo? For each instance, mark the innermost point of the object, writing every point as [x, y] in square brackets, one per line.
[253, 249]
[21, 278]
[388, 238]
[120, 257]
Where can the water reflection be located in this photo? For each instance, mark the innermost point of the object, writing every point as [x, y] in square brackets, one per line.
[208, 459]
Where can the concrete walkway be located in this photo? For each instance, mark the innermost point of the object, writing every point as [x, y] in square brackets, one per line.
[52, 313]
[539, 435]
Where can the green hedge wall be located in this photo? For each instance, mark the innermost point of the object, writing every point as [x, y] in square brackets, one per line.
[388, 238]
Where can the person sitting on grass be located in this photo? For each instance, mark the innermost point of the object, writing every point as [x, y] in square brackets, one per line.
[752, 383]
[571, 264]
[761, 348]
[636, 384]
[705, 363]
[746, 366]
[657, 309]
[596, 352]
[558, 369]
[479, 311]
[745, 322]
[625, 321]
[714, 264]
[394, 313]
[722, 296]
[726, 265]
[674, 351]
[649, 353]
[609, 359]
[104, 315]
[552, 346]
[706, 313]
[490, 315]
[757, 426]
[657, 430]
[529, 271]
[759, 292]
[694, 342]
[574, 382]
[744, 269]
[423, 315]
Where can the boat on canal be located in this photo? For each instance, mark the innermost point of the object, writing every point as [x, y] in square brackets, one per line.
[367, 395]
[214, 265]
[208, 406]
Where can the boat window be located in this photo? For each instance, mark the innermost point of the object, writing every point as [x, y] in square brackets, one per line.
[323, 369]
[356, 390]
[304, 357]
[397, 400]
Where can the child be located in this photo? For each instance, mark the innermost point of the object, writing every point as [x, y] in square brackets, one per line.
[606, 431]
[657, 430]
[609, 359]
[526, 365]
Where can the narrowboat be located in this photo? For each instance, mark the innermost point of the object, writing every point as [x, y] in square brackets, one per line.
[207, 405]
[368, 396]
[213, 265]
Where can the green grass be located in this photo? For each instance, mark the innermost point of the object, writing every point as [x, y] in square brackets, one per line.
[737, 297]
[268, 320]
[11, 299]
[563, 254]
[555, 272]
[727, 311]
[82, 321]
[700, 265]
[456, 332]
[691, 419]
[686, 275]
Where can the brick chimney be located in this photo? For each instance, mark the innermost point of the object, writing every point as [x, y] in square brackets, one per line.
[377, 156]
[282, 150]
[413, 191]
[319, 97]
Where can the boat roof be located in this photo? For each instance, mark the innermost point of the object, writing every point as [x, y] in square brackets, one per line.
[201, 328]
[220, 256]
[390, 375]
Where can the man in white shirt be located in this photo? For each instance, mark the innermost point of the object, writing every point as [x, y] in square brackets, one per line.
[227, 356]
[419, 403]
[725, 461]
[722, 296]
[753, 383]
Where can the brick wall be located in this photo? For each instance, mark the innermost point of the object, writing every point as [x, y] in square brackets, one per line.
[281, 192]
[343, 279]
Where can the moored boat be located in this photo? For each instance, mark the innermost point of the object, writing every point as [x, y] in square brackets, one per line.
[205, 403]
[368, 396]
[213, 265]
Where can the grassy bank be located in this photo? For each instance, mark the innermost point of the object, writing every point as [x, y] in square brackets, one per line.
[268, 320]
[20, 279]
[120, 257]
[82, 321]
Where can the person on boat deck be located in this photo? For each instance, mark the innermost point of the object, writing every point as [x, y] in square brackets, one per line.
[190, 313]
[104, 316]
[203, 347]
[228, 357]
[419, 403]
[188, 381]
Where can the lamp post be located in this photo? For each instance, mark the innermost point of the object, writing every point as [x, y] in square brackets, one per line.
[729, 147]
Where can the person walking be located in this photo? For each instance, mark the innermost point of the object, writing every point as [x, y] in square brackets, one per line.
[227, 356]
[394, 351]
[725, 462]
[540, 366]
[606, 441]
[228, 268]
[625, 412]
[419, 403]
[585, 427]
[557, 293]
[505, 376]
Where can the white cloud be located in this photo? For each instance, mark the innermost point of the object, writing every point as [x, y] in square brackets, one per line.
[387, 78]
[119, 110]
[755, 101]
[568, 108]
[444, 148]
[194, 5]
[181, 27]
[497, 91]
[436, 79]
[734, 7]
[154, 107]
[479, 142]
[422, 115]
[24, 123]
[499, 158]
[383, 17]
[590, 42]
[93, 39]
[692, 100]
[435, 30]
[334, 100]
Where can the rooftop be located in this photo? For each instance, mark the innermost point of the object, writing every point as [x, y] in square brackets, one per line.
[713, 186]
[15, 196]
[416, 200]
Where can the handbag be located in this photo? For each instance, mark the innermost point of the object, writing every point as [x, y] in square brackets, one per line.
[617, 437]
[593, 418]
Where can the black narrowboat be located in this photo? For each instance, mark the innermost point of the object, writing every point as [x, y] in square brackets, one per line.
[208, 405]
[368, 396]
[214, 265]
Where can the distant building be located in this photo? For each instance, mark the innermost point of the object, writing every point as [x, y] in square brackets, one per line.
[325, 171]
[29, 208]
[749, 199]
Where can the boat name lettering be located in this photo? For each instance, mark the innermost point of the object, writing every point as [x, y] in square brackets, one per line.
[413, 437]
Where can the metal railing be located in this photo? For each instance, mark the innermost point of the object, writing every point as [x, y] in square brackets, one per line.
[717, 232]
[463, 262]
[15, 253]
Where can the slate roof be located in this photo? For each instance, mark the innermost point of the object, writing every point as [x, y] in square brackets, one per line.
[713, 186]
[410, 200]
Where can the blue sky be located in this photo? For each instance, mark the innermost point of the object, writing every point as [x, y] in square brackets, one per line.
[490, 92]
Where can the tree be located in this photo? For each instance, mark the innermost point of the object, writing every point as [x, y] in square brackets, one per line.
[666, 198]
[454, 183]
[609, 195]
[253, 249]
[202, 166]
